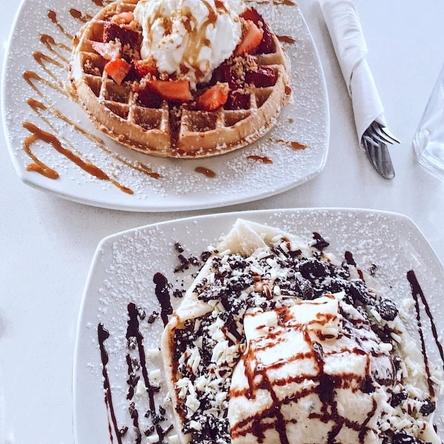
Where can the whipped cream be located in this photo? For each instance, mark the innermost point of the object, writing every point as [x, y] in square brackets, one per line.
[189, 37]
[293, 359]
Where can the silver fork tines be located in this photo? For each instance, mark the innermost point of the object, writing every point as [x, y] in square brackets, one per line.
[375, 141]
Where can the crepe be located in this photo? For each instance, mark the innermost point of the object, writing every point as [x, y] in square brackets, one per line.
[275, 341]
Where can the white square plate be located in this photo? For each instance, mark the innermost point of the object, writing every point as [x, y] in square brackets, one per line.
[238, 179]
[125, 264]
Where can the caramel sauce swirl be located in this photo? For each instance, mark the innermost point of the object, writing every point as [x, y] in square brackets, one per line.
[206, 172]
[286, 39]
[262, 159]
[52, 15]
[39, 107]
[79, 15]
[37, 134]
[52, 46]
[297, 146]
[31, 78]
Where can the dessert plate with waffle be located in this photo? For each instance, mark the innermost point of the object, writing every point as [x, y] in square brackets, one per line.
[284, 326]
[158, 106]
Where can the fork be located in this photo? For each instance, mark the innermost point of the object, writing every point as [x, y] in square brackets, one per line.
[344, 27]
[375, 141]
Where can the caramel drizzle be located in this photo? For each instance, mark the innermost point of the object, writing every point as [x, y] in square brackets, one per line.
[38, 107]
[31, 77]
[51, 45]
[43, 59]
[262, 159]
[327, 384]
[79, 15]
[52, 15]
[40, 167]
[206, 172]
[197, 39]
[286, 39]
[297, 146]
[145, 169]
[101, 3]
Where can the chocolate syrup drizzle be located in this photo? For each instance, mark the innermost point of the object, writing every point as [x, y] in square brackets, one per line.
[135, 342]
[133, 332]
[418, 295]
[163, 296]
[325, 389]
[103, 335]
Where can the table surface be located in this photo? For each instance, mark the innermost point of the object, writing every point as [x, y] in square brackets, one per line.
[46, 244]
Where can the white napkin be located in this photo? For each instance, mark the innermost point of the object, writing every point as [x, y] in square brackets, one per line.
[348, 40]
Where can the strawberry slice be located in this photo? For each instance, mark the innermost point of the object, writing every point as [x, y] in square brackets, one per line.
[109, 51]
[214, 97]
[118, 69]
[126, 36]
[174, 90]
[124, 18]
[264, 76]
[267, 45]
[145, 67]
[251, 39]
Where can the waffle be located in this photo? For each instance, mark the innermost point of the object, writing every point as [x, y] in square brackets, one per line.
[169, 130]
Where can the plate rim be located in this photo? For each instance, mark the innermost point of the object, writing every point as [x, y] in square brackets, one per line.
[143, 205]
[106, 241]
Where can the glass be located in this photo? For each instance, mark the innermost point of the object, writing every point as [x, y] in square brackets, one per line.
[428, 142]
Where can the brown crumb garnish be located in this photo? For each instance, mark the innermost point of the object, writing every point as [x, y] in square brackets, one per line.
[240, 65]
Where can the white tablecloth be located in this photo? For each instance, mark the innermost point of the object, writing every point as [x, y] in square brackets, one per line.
[46, 244]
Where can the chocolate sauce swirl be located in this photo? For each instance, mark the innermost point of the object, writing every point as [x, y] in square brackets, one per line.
[163, 296]
[418, 295]
[103, 335]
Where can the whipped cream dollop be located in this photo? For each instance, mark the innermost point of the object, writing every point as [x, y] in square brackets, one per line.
[189, 37]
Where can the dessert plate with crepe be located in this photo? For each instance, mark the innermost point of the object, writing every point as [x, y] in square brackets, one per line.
[285, 326]
[159, 106]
